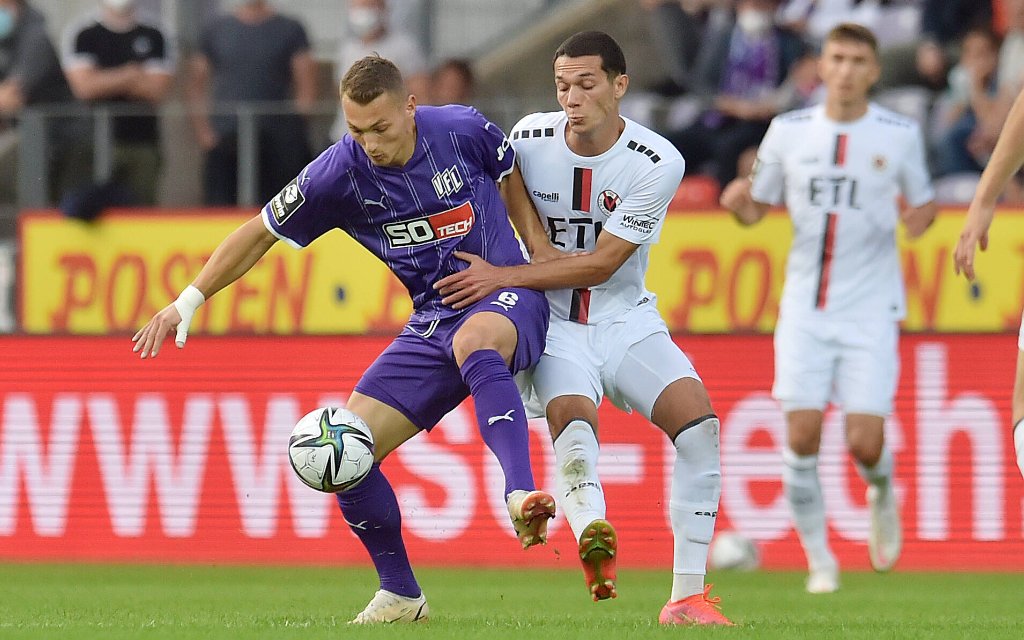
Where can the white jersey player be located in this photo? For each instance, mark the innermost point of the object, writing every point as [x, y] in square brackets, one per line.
[1007, 158]
[601, 185]
[839, 169]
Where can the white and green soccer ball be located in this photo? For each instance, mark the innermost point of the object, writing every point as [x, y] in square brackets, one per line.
[331, 449]
[733, 551]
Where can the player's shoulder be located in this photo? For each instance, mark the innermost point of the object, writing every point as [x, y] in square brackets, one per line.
[653, 148]
[795, 117]
[537, 126]
[887, 118]
[455, 118]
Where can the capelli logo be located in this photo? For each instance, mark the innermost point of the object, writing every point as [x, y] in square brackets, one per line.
[546, 197]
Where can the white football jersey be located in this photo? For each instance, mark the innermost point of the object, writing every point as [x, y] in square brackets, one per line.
[840, 182]
[624, 191]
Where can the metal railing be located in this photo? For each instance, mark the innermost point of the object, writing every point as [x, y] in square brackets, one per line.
[93, 131]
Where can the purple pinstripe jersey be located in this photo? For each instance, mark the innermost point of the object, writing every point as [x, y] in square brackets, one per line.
[445, 198]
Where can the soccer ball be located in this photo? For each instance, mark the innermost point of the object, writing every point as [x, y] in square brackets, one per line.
[331, 449]
[733, 550]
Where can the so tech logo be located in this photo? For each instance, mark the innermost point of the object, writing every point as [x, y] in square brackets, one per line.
[452, 223]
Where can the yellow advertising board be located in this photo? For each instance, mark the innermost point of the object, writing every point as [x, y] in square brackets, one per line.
[112, 275]
[710, 274]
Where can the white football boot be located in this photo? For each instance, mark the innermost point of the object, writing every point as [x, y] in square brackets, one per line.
[388, 607]
[530, 512]
[823, 579]
[885, 540]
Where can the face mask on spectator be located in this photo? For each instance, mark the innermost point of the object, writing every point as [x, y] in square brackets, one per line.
[6, 22]
[118, 5]
[754, 23]
[363, 20]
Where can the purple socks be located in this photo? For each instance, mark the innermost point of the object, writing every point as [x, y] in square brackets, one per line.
[500, 416]
[371, 511]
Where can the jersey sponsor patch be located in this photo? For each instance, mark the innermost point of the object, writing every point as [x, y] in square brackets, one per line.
[643, 224]
[452, 223]
[287, 202]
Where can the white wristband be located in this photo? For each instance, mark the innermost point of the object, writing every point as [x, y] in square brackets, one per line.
[186, 304]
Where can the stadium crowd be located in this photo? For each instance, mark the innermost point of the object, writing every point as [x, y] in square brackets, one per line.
[728, 67]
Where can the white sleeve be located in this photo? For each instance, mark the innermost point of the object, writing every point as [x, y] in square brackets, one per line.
[768, 178]
[639, 216]
[915, 181]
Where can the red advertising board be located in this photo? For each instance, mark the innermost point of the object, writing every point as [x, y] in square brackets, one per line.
[182, 458]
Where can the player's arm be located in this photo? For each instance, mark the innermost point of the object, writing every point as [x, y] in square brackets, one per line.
[750, 198]
[524, 217]
[229, 262]
[1007, 158]
[481, 278]
[918, 219]
[736, 197]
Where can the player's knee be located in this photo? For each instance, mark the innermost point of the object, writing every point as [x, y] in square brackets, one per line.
[478, 337]
[698, 442]
[865, 452]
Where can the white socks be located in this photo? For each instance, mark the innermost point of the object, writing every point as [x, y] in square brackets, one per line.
[579, 489]
[879, 475]
[693, 504]
[802, 489]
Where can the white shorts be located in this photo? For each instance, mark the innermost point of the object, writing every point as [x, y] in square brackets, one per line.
[852, 363]
[631, 360]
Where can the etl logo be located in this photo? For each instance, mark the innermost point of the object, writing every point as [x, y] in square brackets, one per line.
[440, 226]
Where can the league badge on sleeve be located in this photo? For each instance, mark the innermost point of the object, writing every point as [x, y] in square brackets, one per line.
[285, 203]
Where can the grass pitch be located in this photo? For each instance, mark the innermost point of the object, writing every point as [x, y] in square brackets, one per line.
[182, 603]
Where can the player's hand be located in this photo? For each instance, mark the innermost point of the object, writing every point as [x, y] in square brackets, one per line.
[472, 284]
[546, 253]
[150, 337]
[975, 233]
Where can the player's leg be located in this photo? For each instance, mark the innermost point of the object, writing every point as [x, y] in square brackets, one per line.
[500, 335]
[866, 384]
[659, 381]
[804, 370]
[1018, 403]
[802, 489]
[371, 511]
[874, 462]
[407, 389]
[572, 420]
[567, 381]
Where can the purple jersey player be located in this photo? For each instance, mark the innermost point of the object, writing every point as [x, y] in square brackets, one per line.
[412, 185]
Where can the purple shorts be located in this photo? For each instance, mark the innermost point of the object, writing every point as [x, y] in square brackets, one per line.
[417, 373]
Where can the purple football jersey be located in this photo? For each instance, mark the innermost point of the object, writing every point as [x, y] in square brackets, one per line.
[445, 198]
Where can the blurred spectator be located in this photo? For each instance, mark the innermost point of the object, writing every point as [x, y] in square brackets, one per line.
[1011, 53]
[973, 108]
[30, 76]
[371, 32]
[678, 29]
[896, 23]
[252, 55]
[116, 59]
[943, 24]
[753, 61]
[452, 82]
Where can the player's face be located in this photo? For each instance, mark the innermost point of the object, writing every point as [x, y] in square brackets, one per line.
[385, 127]
[848, 69]
[588, 97]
